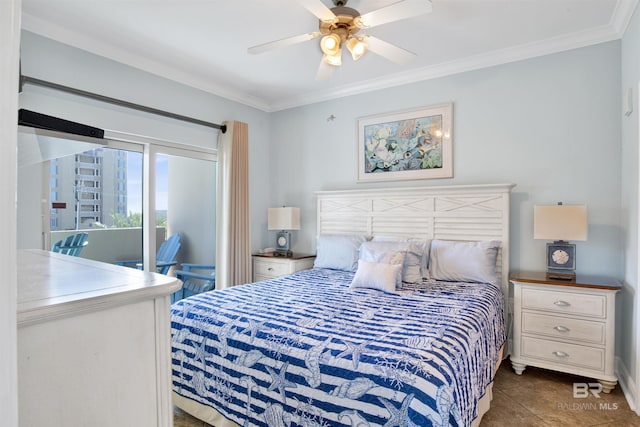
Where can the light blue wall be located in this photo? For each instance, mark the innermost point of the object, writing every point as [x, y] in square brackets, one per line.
[551, 125]
[49, 60]
[628, 298]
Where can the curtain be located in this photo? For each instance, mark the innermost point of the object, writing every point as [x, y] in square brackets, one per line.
[233, 251]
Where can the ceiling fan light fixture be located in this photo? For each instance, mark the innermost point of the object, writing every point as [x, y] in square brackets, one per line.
[357, 47]
[330, 44]
[335, 60]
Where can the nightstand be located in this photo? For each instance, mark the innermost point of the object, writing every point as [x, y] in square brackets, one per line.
[267, 266]
[565, 325]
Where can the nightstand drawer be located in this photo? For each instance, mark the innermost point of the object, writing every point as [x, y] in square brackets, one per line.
[267, 267]
[270, 269]
[564, 302]
[563, 327]
[563, 353]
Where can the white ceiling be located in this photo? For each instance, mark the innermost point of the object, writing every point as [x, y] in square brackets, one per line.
[203, 43]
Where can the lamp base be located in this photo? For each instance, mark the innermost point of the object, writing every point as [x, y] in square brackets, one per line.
[561, 260]
[561, 275]
[283, 254]
[283, 241]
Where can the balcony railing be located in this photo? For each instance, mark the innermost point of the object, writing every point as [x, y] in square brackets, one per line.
[112, 244]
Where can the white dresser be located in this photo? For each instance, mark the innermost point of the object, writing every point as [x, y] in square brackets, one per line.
[93, 343]
[267, 266]
[565, 325]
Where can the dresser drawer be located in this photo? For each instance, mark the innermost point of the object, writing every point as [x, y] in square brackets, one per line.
[270, 269]
[563, 327]
[564, 302]
[563, 353]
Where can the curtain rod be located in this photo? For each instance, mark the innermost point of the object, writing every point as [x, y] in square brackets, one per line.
[127, 104]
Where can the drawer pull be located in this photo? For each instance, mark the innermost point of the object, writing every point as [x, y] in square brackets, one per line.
[560, 354]
[270, 269]
[561, 303]
[561, 328]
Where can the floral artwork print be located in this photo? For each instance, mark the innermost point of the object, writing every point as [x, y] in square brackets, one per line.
[404, 145]
[412, 144]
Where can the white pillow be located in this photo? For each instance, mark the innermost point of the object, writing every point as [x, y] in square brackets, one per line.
[415, 267]
[338, 251]
[383, 253]
[464, 261]
[376, 275]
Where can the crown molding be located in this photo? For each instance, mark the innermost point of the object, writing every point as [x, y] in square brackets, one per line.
[497, 57]
[622, 15]
[47, 29]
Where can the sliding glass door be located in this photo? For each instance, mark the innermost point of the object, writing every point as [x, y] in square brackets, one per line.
[128, 195]
[185, 197]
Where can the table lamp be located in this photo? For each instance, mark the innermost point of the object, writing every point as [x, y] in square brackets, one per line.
[283, 219]
[560, 223]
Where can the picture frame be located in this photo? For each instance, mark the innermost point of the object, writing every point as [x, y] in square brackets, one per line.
[406, 145]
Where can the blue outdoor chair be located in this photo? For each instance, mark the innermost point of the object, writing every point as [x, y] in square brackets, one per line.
[194, 283]
[71, 245]
[165, 258]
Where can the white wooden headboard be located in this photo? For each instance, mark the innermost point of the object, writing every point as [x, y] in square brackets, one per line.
[462, 212]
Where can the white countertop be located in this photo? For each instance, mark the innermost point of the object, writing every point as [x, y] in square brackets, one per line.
[52, 285]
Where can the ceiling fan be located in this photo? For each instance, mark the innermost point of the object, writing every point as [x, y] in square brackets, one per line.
[340, 26]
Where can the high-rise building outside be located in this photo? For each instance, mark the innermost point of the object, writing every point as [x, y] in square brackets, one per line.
[92, 185]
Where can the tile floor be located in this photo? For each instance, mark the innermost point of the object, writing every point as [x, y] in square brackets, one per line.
[536, 398]
[544, 398]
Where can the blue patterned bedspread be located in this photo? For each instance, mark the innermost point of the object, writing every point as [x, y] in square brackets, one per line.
[306, 350]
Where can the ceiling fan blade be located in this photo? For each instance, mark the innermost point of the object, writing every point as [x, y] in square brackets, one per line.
[318, 9]
[391, 52]
[283, 42]
[394, 12]
[325, 71]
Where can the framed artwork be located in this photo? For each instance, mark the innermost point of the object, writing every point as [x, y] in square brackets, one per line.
[413, 144]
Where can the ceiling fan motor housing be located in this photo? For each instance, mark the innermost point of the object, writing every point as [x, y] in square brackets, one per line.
[345, 23]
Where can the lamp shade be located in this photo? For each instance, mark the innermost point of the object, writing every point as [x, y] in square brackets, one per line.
[285, 218]
[560, 222]
[330, 44]
[357, 47]
[335, 60]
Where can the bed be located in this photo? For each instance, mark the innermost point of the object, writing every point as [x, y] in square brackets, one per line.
[324, 347]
